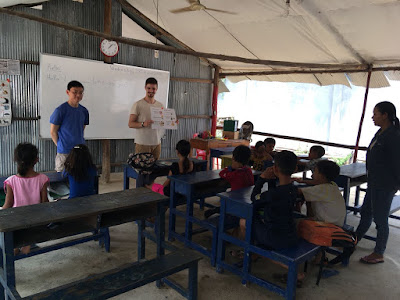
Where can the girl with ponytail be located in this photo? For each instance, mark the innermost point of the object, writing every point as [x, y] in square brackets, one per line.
[183, 166]
[383, 172]
[27, 187]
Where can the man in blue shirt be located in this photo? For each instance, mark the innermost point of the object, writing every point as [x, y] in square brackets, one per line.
[68, 122]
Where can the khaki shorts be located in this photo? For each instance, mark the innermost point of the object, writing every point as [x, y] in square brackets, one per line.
[60, 160]
[153, 149]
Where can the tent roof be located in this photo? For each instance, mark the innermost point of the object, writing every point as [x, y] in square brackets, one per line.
[306, 31]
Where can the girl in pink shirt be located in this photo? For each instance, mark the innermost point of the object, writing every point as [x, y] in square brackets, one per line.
[27, 187]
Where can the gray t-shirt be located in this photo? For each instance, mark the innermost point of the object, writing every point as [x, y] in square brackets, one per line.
[146, 136]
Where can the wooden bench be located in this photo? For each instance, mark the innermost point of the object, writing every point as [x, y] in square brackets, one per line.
[128, 277]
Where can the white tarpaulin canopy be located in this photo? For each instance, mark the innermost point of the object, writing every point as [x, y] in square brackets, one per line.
[301, 31]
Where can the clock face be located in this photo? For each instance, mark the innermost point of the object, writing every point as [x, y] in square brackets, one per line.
[109, 48]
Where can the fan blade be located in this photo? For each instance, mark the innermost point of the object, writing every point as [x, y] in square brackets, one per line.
[181, 10]
[221, 11]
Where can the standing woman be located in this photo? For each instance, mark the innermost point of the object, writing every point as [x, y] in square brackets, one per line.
[383, 171]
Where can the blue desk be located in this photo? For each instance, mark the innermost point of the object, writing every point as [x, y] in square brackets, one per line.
[352, 175]
[195, 186]
[161, 168]
[217, 152]
[20, 226]
[53, 176]
[238, 203]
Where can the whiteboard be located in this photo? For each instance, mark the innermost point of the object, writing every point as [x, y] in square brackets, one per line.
[110, 91]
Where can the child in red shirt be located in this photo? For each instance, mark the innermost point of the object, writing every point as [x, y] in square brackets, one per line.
[239, 175]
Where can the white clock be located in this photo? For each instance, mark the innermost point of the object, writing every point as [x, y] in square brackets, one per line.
[109, 48]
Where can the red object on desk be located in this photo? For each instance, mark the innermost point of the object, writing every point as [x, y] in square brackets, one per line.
[202, 154]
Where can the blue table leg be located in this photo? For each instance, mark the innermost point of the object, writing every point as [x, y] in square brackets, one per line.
[8, 272]
[105, 239]
[192, 293]
[291, 282]
[248, 240]
[189, 214]
[357, 199]
[221, 229]
[159, 230]
[141, 239]
[172, 207]
[126, 178]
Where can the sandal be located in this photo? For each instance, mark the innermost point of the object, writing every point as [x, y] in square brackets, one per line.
[371, 260]
[237, 253]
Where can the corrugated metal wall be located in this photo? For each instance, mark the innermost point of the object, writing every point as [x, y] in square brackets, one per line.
[23, 40]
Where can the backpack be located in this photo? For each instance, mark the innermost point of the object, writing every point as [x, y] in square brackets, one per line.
[143, 163]
[328, 235]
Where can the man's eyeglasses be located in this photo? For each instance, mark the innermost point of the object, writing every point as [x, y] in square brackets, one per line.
[77, 93]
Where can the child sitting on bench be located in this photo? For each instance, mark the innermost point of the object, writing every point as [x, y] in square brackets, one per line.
[27, 187]
[269, 146]
[81, 172]
[275, 227]
[314, 156]
[260, 157]
[327, 203]
[239, 175]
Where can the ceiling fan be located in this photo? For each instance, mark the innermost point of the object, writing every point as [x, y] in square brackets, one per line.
[195, 5]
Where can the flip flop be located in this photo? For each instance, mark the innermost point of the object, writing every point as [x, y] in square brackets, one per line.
[371, 261]
[237, 253]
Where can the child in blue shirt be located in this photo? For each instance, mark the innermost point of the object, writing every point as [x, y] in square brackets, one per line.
[81, 172]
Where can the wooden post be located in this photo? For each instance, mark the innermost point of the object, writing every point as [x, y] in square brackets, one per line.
[362, 117]
[215, 101]
[105, 161]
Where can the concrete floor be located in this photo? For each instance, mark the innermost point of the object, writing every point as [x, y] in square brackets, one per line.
[357, 281]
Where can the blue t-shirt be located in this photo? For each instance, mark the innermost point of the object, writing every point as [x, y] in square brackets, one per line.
[71, 121]
[82, 188]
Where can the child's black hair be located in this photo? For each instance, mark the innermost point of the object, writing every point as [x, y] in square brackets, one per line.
[319, 150]
[259, 144]
[242, 154]
[286, 162]
[183, 148]
[74, 83]
[25, 155]
[78, 162]
[329, 169]
[269, 141]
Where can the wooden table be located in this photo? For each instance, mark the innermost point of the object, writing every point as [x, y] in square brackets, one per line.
[161, 168]
[21, 226]
[207, 144]
[195, 186]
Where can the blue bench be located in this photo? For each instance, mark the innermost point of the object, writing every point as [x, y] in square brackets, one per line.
[238, 203]
[196, 186]
[128, 277]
